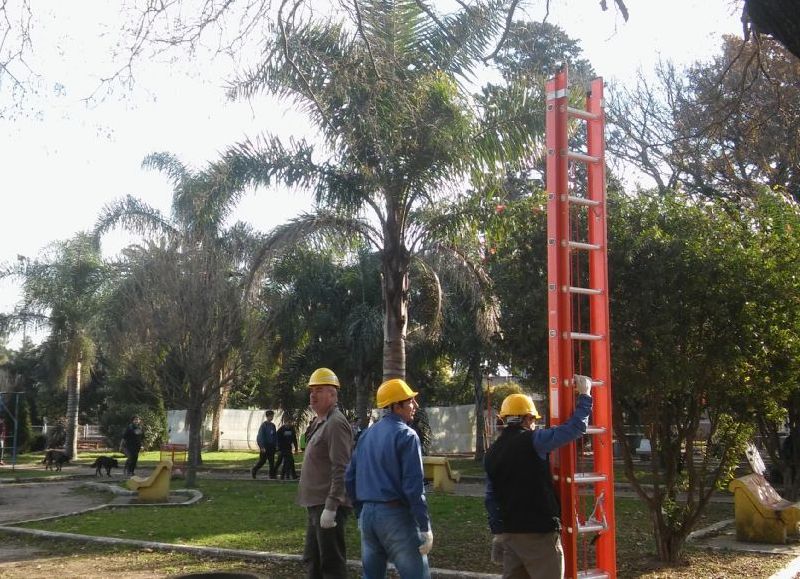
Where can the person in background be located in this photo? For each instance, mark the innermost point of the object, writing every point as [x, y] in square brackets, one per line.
[287, 442]
[386, 482]
[329, 443]
[524, 511]
[131, 445]
[265, 439]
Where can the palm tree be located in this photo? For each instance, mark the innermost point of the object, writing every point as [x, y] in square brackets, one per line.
[398, 133]
[63, 292]
[183, 295]
[321, 309]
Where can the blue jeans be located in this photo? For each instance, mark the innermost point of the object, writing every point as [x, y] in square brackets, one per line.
[390, 533]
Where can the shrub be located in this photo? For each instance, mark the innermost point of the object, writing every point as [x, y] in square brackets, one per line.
[154, 422]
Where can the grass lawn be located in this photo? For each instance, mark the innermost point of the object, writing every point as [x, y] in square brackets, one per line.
[261, 516]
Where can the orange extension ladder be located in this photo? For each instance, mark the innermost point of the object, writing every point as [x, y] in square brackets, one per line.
[577, 278]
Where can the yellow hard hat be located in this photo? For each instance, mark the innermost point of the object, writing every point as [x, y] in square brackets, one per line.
[394, 390]
[323, 377]
[518, 405]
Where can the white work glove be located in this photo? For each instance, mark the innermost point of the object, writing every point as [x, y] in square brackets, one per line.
[583, 384]
[426, 547]
[498, 548]
[328, 519]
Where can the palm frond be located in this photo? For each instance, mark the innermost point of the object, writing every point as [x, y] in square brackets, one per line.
[430, 307]
[242, 241]
[134, 215]
[169, 164]
[265, 161]
[465, 273]
[301, 64]
[326, 225]
[511, 127]
[364, 331]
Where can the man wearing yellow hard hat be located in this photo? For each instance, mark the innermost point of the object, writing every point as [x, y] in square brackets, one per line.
[524, 512]
[329, 443]
[385, 480]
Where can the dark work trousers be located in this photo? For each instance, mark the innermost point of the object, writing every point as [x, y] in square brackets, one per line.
[324, 554]
[264, 455]
[133, 458]
[287, 460]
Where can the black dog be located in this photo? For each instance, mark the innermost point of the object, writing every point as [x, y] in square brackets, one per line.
[104, 462]
[55, 459]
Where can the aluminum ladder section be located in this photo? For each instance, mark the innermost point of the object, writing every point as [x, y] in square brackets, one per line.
[577, 271]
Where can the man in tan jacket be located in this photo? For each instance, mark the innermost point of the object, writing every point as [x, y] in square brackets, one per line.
[329, 444]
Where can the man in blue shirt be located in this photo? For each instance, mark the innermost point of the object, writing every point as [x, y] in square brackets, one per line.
[385, 481]
[266, 439]
[524, 512]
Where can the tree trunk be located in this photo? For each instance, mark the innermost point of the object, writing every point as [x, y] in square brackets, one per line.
[194, 419]
[221, 399]
[395, 301]
[669, 545]
[73, 403]
[394, 326]
[480, 423]
[778, 18]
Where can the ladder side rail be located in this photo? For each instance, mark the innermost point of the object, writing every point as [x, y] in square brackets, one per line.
[599, 324]
[556, 185]
[561, 361]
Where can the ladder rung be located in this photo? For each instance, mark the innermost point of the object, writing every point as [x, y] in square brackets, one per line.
[581, 245]
[585, 478]
[592, 574]
[582, 114]
[585, 291]
[595, 429]
[591, 527]
[582, 157]
[582, 336]
[583, 201]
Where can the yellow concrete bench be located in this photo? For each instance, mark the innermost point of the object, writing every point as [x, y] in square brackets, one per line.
[437, 469]
[154, 488]
[761, 515]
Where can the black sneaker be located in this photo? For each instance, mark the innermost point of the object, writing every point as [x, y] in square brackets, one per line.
[253, 472]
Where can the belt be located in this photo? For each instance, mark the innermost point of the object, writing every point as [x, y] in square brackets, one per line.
[393, 503]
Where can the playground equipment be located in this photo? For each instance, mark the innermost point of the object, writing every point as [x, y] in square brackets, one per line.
[154, 488]
[437, 469]
[577, 289]
[175, 453]
[761, 514]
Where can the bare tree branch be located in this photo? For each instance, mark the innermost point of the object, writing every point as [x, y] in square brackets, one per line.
[15, 41]
[506, 28]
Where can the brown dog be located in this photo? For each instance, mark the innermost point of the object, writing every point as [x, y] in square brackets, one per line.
[54, 459]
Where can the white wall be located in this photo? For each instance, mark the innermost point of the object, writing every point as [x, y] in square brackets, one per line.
[452, 427]
[238, 428]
